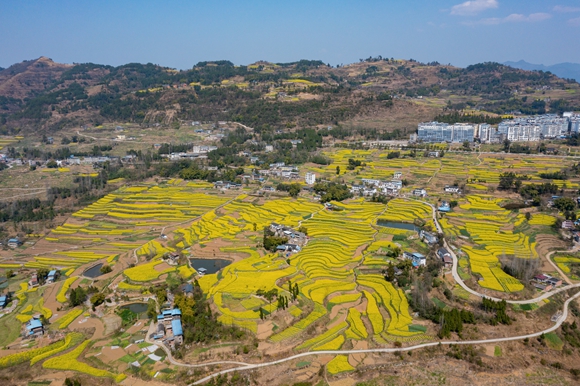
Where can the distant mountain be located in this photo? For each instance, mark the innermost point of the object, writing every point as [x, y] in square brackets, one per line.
[563, 70]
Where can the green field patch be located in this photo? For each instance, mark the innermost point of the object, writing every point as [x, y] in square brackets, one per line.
[303, 364]
[497, 351]
[553, 341]
[417, 328]
[439, 303]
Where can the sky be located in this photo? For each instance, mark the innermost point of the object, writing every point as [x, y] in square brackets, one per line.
[180, 33]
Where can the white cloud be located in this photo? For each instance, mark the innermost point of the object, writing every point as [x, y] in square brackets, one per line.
[513, 18]
[566, 9]
[574, 22]
[473, 7]
[516, 17]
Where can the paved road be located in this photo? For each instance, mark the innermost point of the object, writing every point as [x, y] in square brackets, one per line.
[460, 281]
[246, 366]
[557, 325]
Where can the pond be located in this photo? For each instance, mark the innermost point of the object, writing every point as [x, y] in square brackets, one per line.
[210, 265]
[94, 271]
[399, 225]
[138, 308]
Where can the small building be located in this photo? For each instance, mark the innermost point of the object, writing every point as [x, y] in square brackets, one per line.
[444, 207]
[161, 329]
[445, 257]
[34, 327]
[428, 237]
[33, 282]
[417, 259]
[543, 286]
[398, 175]
[14, 242]
[567, 224]
[419, 193]
[452, 189]
[4, 300]
[554, 282]
[188, 290]
[541, 278]
[435, 154]
[177, 331]
[310, 178]
[52, 276]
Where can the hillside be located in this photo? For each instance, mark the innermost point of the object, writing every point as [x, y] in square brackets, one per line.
[377, 93]
[563, 70]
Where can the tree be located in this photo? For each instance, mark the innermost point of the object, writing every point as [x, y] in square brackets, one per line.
[303, 229]
[9, 274]
[338, 170]
[565, 204]
[97, 299]
[390, 276]
[106, 269]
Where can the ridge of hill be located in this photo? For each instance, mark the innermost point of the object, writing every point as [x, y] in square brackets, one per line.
[563, 70]
[41, 95]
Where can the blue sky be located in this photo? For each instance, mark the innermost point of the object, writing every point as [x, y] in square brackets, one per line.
[181, 33]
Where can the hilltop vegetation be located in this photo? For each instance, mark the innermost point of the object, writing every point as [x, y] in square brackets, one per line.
[267, 96]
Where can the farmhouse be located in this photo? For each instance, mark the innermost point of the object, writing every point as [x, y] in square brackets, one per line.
[452, 189]
[293, 236]
[14, 242]
[33, 282]
[445, 257]
[419, 193]
[34, 327]
[398, 175]
[169, 325]
[52, 276]
[427, 237]
[568, 224]
[4, 300]
[417, 259]
[444, 207]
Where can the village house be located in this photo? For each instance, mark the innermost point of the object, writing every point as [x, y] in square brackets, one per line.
[14, 242]
[33, 282]
[52, 276]
[4, 300]
[172, 258]
[169, 326]
[567, 224]
[428, 237]
[444, 207]
[417, 259]
[419, 193]
[398, 175]
[545, 282]
[293, 236]
[452, 189]
[435, 154]
[34, 327]
[445, 257]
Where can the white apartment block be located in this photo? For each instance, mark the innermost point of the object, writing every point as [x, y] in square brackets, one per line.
[443, 132]
[310, 178]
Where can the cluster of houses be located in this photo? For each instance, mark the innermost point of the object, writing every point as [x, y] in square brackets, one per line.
[296, 240]
[545, 282]
[226, 185]
[169, 327]
[281, 170]
[370, 187]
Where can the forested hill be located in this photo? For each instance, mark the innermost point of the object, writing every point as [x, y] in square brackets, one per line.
[41, 95]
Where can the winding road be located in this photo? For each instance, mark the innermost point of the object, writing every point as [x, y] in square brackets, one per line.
[557, 325]
[460, 281]
[247, 366]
